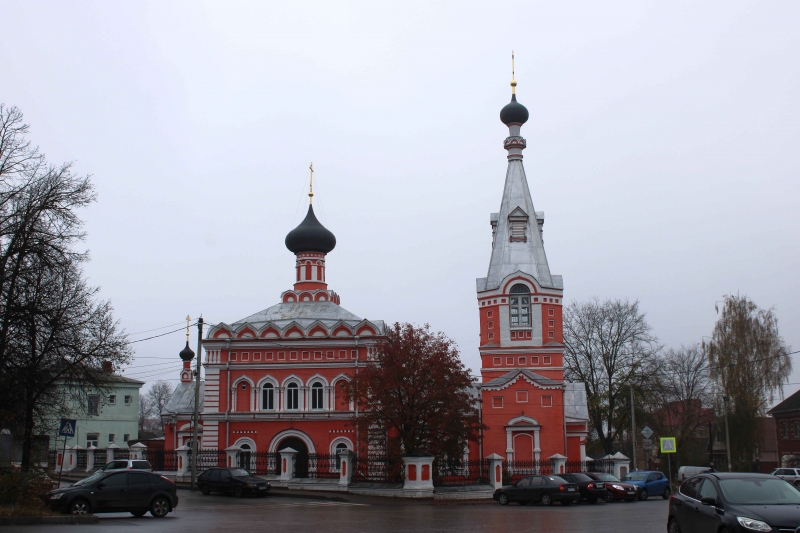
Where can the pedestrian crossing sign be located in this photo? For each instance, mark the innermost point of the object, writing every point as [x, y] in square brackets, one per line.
[668, 445]
[67, 427]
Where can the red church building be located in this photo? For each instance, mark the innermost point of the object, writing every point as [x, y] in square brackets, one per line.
[273, 380]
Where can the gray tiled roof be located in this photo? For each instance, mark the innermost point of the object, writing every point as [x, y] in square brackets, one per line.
[300, 311]
[509, 377]
[792, 403]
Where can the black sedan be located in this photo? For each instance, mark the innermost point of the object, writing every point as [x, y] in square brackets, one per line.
[135, 492]
[544, 489]
[734, 502]
[591, 490]
[236, 481]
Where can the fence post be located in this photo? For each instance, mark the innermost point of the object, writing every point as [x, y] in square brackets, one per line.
[287, 463]
[345, 467]
[70, 458]
[137, 451]
[419, 473]
[558, 462]
[110, 452]
[495, 470]
[622, 465]
[90, 457]
[232, 452]
[183, 460]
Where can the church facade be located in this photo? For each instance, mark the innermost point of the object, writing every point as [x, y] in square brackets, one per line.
[275, 379]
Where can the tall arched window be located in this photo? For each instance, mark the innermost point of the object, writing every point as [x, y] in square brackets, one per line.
[292, 396]
[520, 306]
[268, 397]
[316, 395]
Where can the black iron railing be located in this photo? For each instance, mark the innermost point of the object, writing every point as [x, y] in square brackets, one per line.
[162, 460]
[81, 459]
[265, 463]
[449, 472]
[377, 470]
[516, 470]
[323, 466]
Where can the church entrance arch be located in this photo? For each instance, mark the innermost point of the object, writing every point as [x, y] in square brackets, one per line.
[301, 459]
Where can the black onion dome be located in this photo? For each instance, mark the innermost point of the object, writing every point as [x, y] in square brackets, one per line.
[310, 236]
[187, 354]
[514, 112]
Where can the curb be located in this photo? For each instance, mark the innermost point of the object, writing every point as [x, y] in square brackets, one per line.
[47, 520]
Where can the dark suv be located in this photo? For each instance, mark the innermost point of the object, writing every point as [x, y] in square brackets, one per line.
[135, 492]
[236, 481]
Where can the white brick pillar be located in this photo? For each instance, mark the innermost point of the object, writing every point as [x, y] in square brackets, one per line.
[183, 460]
[90, 457]
[232, 452]
[419, 473]
[495, 470]
[559, 463]
[287, 463]
[70, 458]
[345, 467]
[137, 451]
[110, 452]
[622, 465]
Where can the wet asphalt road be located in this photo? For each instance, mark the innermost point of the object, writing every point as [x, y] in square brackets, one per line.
[352, 514]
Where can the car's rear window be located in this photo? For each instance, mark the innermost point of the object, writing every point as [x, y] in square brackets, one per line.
[759, 491]
[635, 476]
[144, 465]
[580, 477]
[606, 477]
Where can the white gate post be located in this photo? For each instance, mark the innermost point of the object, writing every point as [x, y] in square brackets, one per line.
[110, 452]
[287, 463]
[495, 470]
[137, 451]
[183, 460]
[90, 457]
[419, 473]
[232, 452]
[345, 467]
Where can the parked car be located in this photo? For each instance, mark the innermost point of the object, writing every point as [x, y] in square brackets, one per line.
[685, 472]
[649, 483]
[236, 481]
[734, 502]
[616, 490]
[591, 490]
[792, 475]
[135, 492]
[544, 489]
[127, 464]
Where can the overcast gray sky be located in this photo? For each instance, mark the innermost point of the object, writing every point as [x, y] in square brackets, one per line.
[662, 146]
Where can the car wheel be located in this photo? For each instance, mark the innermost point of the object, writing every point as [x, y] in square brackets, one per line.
[238, 492]
[138, 514]
[159, 508]
[503, 499]
[666, 494]
[205, 490]
[547, 499]
[609, 497]
[80, 507]
[673, 527]
[643, 495]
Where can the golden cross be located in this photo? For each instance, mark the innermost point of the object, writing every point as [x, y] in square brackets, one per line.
[513, 81]
[311, 184]
[188, 319]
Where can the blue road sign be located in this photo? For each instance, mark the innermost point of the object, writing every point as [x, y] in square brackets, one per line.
[67, 427]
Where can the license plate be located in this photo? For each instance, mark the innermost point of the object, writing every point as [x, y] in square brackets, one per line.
[262, 488]
[630, 492]
[570, 490]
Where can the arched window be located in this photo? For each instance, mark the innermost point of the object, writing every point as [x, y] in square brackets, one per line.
[316, 395]
[268, 397]
[339, 448]
[520, 306]
[292, 396]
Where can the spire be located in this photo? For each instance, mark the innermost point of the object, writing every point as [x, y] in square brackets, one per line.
[513, 81]
[517, 229]
[311, 184]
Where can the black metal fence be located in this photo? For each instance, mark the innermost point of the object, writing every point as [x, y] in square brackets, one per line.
[81, 459]
[377, 470]
[513, 471]
[122, 454]
[208, 458]
[460, 472]
[262, 463]
[322, 466]
[100, 458]
[162, 460]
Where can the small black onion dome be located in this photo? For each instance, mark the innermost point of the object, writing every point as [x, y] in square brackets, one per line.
[310, 236]
[514, 112]
[187, 354]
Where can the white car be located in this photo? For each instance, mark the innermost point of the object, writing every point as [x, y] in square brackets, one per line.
[792, 475]
[128, 464]
[685, 472]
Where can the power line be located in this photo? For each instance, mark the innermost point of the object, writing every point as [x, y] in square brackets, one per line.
[156, 329]
[156, 336]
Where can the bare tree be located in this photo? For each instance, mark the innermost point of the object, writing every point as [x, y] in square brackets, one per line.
[750, 363]
[681, 400]
[54, 332]
[609, 347]
[146, 413]
[157, 397]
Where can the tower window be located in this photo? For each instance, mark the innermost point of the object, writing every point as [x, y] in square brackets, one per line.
[520, 306]
[292, 396]
[268, 397]
[498, 361]
[547, 401]
[316, 396]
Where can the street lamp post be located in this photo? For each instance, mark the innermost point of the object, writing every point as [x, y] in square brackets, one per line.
[196, 414]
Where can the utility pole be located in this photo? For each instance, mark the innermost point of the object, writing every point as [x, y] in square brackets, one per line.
[727, 432]
[633, 430]
[196, 414]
